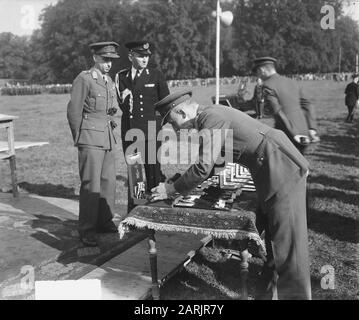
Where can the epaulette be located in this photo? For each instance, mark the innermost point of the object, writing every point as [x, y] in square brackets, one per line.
[124, 70]
[94, 74]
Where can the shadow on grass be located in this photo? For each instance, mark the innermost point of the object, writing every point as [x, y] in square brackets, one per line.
[211, 276]
[341, 145]
[334, 194]
[49, 190]
[57, 191]
[351, 183]
[62, 235]
[334, 226]
[337, 159]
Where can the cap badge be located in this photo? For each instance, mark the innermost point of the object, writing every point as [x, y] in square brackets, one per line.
[146, 46]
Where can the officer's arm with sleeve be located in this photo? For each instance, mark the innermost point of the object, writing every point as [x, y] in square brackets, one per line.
[80, 90]
[124, 95]
[309, 113]
[308, 110]
[213, 131]
[213, 138]
[272, 102]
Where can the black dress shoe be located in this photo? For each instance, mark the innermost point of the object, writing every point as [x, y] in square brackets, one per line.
[89, 241]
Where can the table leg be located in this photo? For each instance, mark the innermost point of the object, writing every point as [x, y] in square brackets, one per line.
[153, 264]
[244, 274]
[15, 191]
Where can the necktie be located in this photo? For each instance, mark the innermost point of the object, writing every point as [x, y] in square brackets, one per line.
[104, 78]
[136, 76]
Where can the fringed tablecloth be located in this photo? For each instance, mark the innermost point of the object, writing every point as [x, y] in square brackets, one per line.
[237, 224]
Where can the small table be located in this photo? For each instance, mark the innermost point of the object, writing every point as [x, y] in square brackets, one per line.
[6, 122]
[237, 224]
[7, 148]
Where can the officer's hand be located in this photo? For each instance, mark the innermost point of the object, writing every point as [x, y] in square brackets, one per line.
[314, 137]
[162, 191]
[301, 139]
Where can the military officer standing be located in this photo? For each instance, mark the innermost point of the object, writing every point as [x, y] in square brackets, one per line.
[258, 99]
[139, 88]
[89, 112]
[293, 113]
[279, 173]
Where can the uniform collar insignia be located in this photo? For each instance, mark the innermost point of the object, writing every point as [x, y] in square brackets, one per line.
[147, 71]
[94, 74]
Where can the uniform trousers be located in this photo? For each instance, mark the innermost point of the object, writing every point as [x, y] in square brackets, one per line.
[351, 111]
[98, 186]
[287, 269]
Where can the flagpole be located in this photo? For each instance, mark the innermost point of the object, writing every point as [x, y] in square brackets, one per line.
[217, 49]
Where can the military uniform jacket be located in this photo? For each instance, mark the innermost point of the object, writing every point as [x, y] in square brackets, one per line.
[148, 89]
[87, 110]
[286, 100]
[351, 94]
[274, 162]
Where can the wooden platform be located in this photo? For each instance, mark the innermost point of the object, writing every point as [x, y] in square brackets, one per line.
[40, 232]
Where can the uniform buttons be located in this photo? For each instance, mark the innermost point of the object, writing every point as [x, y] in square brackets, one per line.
[131, 117]
[141, 115]
[99, 95]
[141, 102]
[141, 96]
[141, 109]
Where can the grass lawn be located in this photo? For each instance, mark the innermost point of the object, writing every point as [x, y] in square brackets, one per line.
[333, 188]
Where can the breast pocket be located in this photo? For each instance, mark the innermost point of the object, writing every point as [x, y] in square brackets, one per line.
[150, 91]
[100, 102]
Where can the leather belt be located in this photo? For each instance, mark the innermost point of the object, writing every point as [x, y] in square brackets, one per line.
[96, 116]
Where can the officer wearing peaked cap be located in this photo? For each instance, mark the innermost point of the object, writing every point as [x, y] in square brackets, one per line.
[90, 115]
[352, 97]
[263, 61]
[279, 173]
[138, 89]
[165, 106]
[293, 113]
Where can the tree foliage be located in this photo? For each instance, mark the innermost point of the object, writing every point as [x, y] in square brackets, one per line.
[14, 61]
[183, 35]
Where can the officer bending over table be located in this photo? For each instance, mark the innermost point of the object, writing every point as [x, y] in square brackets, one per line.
[279, 173]
[89, 113]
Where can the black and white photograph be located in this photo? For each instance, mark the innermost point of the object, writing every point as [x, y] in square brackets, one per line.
[179, 154]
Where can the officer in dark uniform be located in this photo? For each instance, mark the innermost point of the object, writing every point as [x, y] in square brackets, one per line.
[279, 173]
[352, 97]
[89, 113]
[293, 113]
[138, 89]
[258, 99]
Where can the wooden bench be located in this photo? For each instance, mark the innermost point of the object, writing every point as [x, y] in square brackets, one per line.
[8, 147]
